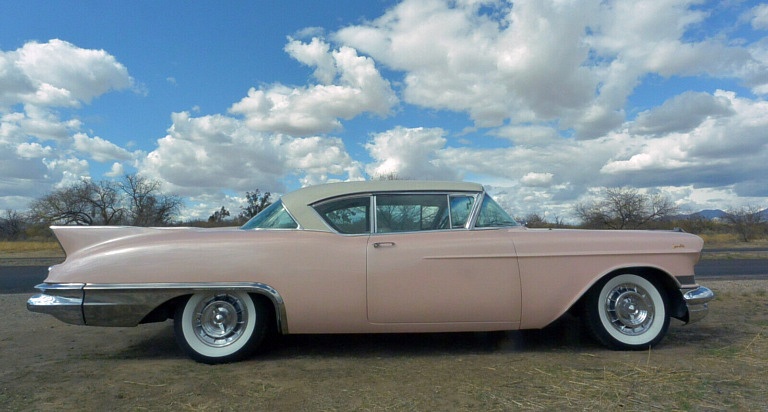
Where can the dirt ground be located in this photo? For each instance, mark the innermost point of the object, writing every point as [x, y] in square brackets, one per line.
[720, 363]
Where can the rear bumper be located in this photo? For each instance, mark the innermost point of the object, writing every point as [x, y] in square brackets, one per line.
[63, 301]
[696, 301]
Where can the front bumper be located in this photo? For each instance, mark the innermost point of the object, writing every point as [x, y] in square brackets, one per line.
[63, 301]
[696, 301]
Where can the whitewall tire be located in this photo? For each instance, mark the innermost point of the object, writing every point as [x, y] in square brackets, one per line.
[220, 326]
[627, 312]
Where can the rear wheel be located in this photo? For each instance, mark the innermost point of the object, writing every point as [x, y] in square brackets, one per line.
[220, 327]
[627, 312]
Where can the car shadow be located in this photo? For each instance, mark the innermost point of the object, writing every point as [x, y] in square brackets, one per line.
[566, 333]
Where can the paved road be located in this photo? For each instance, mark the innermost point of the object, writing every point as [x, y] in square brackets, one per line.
[22, 279]
[733, 268]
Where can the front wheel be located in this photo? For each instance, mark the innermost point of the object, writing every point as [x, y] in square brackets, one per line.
[220, 327]
[627, 312]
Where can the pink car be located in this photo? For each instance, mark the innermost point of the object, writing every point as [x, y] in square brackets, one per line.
[373, 257]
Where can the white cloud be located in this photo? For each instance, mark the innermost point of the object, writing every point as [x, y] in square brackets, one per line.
[210, 153]
[410, 154]
[33, 150]
[117, 170]
[682, 113]
[572, 63]
[759, 17]
[315, 54]
[62, 74]
[719, 151]
[36, 140]
[545, 85]
[66, 171]
[535, 179]
[99, 149]
[303, 111]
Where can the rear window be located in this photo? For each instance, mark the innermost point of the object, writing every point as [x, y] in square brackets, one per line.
[273, 217]
[349, 215]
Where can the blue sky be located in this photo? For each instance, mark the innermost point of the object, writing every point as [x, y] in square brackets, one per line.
[545, 102]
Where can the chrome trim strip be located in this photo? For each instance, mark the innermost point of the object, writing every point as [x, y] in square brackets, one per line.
[475, 212]
[697, 302]
[127, 304]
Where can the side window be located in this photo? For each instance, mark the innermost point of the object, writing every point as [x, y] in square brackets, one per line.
[348, 216]
[273, 217]
[492, 215]
[461, 207]
[410, 212]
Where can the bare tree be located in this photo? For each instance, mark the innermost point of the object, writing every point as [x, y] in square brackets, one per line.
[255, 203]
[534, 220]
[746, 221]
[147, 206]
[219, 215]
[70, 205]
[11, 225]
[624, 208]
[389, 176]
[105, 200]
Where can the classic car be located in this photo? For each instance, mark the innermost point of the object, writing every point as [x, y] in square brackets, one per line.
[373, 257]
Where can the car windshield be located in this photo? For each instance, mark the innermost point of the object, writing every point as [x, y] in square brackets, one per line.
[273, 217]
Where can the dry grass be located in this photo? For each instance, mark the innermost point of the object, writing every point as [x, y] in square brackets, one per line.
[730, 241]
[30, 249]
[718, 364]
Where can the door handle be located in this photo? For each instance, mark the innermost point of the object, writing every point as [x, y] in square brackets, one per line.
[382, 244]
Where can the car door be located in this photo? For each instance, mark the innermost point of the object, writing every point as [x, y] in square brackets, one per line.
[424, 271]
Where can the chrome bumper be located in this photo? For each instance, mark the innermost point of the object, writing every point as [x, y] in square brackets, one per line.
[697, 302]
[63, 301]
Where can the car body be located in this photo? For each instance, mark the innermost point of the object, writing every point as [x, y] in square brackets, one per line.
[373, 257]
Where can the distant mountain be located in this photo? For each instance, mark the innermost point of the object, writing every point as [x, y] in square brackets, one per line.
[709, 214]
[714, 214]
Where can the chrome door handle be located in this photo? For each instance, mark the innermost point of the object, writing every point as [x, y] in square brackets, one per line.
[381, 244]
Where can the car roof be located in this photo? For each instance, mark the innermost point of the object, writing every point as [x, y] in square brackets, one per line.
[298, 203]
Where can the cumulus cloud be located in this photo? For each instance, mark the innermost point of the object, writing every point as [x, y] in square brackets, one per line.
[33, 150]
[535, 179]
[574, 63]
[758, 17]
[719, 151]
[410, 153]
[99, 149]
[544, 86]
[350, 85]
[117, 170]
[37, 141]
[682, 113]
[58, 73]
[211, 153]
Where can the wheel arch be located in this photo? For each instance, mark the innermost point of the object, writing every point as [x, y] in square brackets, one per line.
[677, 307]
[270, 296]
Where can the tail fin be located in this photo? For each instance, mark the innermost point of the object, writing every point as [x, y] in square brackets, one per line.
[76, 238]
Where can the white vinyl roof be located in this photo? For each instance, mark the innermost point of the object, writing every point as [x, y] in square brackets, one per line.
[298, 202]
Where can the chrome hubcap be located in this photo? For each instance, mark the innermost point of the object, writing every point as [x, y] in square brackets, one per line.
[220, 320]
[630, 309]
